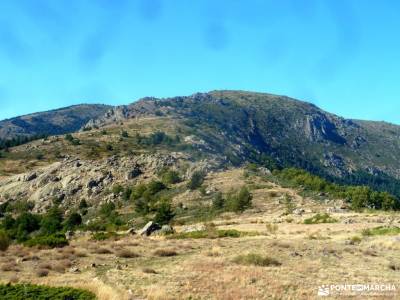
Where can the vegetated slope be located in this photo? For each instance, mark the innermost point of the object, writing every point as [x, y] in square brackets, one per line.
[64, 120]
[245, 126]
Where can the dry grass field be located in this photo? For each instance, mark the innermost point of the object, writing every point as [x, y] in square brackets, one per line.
[276, 257]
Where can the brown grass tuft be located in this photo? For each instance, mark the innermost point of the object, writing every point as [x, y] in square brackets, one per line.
[42, 272]
[256, 260]
[165, 252]
[62, 265]
[10, 266]
[125, 253]
[102, 251]
[45, 265]
[149, 271]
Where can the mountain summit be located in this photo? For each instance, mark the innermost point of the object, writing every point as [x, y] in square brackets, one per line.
[245, 126]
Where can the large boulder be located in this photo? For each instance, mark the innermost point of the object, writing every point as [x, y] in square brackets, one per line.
[149, 228]
[165, 229]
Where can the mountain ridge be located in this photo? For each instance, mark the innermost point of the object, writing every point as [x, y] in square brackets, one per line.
[241, 126]
[55, 121]
[292, 132]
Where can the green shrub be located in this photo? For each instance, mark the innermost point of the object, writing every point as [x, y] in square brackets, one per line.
[218, 201]
[138, 191]
[359, 196]
[155, 186]
[102, 236]
[83, 204]
[289, 205]
[381, 230]
[252, 167]
[20, 206]
[51, 241]
[37, 292]
[256, 260]
[126, 194]
[355, 240]
[4, 240]
[196, 180]
[164, 212]
[72, 140]
[170, 177]
[239, 201]
[106, 209]
[23, 225]
[98, 225]
[319, 219]
[144, 196]
[52, 221]
[73, 221]
[117, 189]
[68, 137]
[156, 138]
[8, 222]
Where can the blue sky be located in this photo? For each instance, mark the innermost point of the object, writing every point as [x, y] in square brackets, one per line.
[343, 55]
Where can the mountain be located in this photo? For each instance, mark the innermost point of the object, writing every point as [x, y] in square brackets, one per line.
[189, 197]
[206, 131]
[264, 128]
[59, 121]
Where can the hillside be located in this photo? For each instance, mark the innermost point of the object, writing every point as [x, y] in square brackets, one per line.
[59, 121]
[196, 198]
[244, 126]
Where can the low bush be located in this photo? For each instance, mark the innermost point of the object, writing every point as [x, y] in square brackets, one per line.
[239, 201]
[102, 236]
[164, 212]
[51, 222]
[42, 272]
[355, 240]
[320, 218]
[9, 266]
[218, 201]
[33, 292]
[55, 240]
[4, 240]
[256, 260]
[165, 252]
[73, 220]
[381, 230]
[125, 253]
[359, 197]
[196, 180]
[170, 177]
[117, 189]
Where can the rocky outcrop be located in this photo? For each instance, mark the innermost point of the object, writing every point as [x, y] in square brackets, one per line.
[71, 180]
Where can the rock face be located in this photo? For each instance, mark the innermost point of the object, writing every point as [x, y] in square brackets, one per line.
[71, 180]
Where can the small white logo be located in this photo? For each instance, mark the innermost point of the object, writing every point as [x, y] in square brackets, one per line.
[323, 290]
